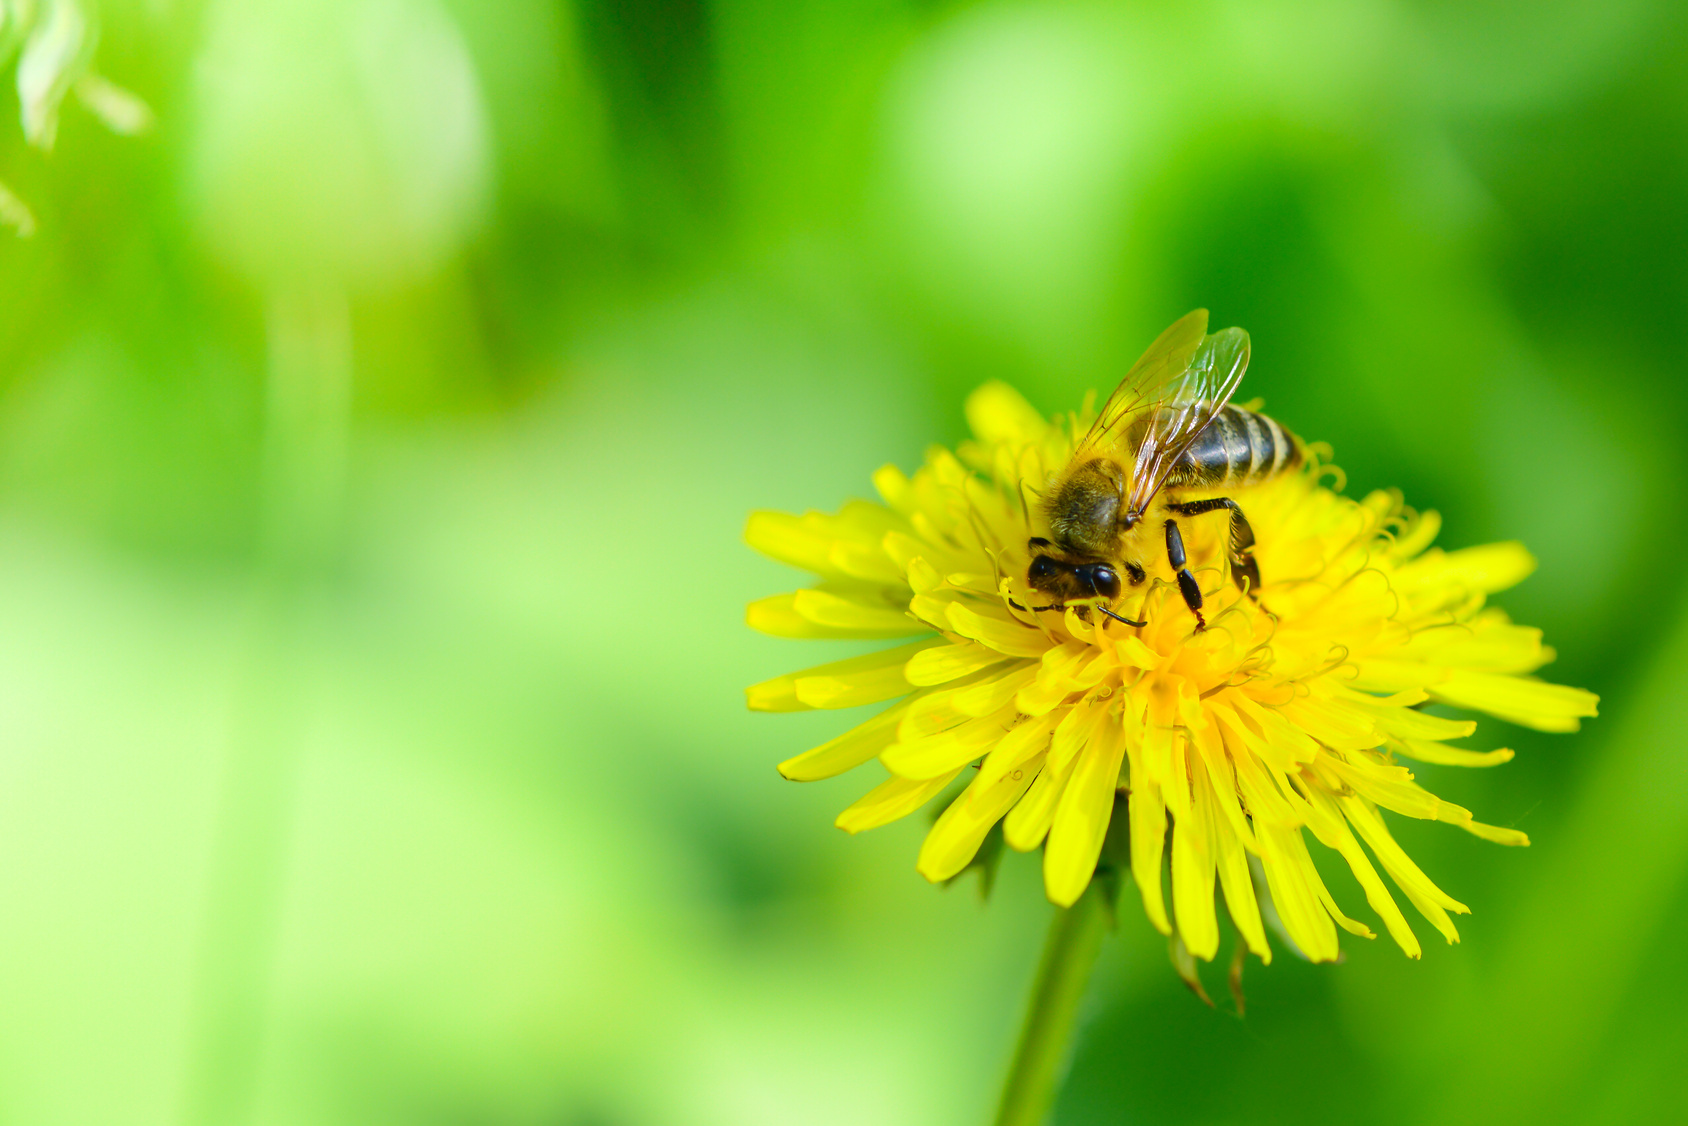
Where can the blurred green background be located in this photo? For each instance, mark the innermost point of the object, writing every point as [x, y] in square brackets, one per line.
[377, 430]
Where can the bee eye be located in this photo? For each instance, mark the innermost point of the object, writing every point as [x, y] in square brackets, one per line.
[1104, 581]
[1043, 567]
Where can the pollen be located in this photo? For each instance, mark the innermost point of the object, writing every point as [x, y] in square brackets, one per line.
[1295, 717]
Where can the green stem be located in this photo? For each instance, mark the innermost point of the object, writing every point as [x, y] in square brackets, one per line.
[1069, 953]
[307, 421]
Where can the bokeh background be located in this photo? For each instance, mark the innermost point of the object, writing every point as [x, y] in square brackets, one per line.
[378, 428]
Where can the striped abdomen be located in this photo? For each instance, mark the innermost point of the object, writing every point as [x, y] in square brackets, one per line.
[1239, 447]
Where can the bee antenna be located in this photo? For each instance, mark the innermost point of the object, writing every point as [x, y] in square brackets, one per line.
[1117, 618]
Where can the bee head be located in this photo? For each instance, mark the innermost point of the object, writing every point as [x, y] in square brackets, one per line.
[1046, 572]
[1070, 580]
[1102, 579]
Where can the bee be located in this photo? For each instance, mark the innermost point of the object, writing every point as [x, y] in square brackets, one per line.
[1168, 430]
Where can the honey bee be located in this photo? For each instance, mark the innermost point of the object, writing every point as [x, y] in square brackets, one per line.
[1168, 430]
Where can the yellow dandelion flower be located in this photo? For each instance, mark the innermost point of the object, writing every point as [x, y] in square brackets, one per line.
[1294, 710]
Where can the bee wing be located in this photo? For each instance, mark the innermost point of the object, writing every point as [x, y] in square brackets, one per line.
[1145, 385]
[1187, 405]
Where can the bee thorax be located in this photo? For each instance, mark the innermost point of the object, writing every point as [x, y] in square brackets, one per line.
[1084, 511]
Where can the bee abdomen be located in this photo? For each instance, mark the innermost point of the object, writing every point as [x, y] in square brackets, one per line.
[1239, 447]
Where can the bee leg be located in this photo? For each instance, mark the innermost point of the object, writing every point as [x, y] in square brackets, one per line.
[1244, 569]
[1186, 581]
